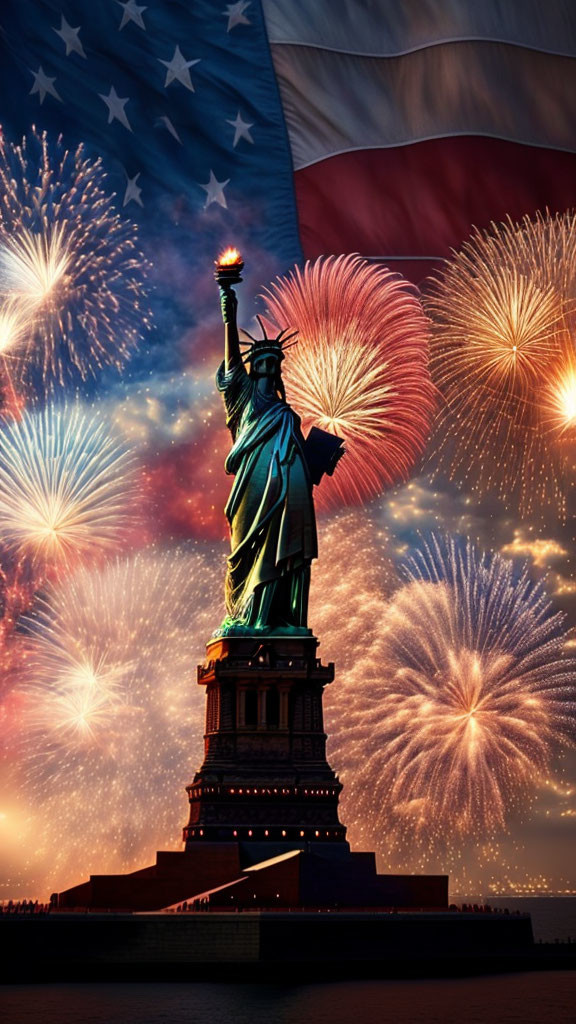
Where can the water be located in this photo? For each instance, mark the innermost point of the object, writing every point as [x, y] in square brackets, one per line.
[526, 998]
[500, 999]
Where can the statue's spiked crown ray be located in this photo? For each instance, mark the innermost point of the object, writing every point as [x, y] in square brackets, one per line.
[267, 346]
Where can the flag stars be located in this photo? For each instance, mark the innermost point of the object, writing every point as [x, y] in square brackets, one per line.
[70, 38]
[133, 193]
[214, 190]
[235, 14]
[116, 106]
[165, 122]
[178, 69]
[131, 12]
[241, 130]
[43, 85]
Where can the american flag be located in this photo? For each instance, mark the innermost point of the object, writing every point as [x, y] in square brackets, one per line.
[386, 128]
[180, 99]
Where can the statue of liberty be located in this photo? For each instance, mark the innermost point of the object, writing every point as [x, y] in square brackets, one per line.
[270, 510]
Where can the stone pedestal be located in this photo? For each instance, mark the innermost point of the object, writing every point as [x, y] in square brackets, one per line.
[265, 779]
[264, 828]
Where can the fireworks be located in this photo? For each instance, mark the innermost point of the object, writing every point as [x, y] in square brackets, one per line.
[549, 244]
[69, 264]
[502, 358]
[83, 708]
[565, 399]
[112, 716]
[16, 595]
[558, 400]
[362, 584]
[66, 486]
[469, 695]
[33, 266]
[360, 369]
[15, 326]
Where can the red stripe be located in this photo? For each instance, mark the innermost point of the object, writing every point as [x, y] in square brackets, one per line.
[422, 199]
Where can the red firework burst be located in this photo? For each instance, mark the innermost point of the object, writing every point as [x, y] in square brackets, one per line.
[360, 369]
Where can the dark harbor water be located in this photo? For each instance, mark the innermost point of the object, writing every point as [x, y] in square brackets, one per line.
[521, 998]
[503, 999]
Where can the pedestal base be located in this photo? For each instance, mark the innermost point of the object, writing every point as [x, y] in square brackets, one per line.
[265, 778]
[216, 876]
[264, 829]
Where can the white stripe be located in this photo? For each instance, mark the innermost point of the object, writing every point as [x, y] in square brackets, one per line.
[447, 135]
[435, 42]
[335, 103]
[388, 28]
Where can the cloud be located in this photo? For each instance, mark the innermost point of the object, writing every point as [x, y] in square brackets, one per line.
[542, 551]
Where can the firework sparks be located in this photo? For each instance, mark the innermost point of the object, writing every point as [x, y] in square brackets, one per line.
[110, 703]
[15, 326]
[548, 244]
[566, 399]
[360, 369]
[501, 358]
[84, 706]
[66, 486]
[469, 695]
[365, 579]
[33, 266]
[558, 401]
[70, 263]
[17, 586]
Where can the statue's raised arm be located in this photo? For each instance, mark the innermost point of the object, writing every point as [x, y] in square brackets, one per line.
[270, 510]
[229, 306]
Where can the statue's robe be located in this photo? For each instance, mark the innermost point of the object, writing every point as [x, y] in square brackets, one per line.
[270, 509]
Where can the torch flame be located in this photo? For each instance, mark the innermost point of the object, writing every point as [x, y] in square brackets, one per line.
[229, 257]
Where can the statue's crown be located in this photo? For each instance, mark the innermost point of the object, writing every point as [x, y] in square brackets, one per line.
[267, 346]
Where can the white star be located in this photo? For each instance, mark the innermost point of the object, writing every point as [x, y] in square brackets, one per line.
[43, 84]
[178, 69]
[214, 190]
[116, 107]
[235, 14]
[131, 12]
[241, 130]
[133, 191]
[169, 126]
[69, 36]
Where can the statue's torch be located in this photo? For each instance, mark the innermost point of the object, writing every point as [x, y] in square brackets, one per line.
[229, 267]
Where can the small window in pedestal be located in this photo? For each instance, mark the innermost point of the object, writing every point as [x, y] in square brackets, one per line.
[213, 710]
[273, 708]
[251, 708]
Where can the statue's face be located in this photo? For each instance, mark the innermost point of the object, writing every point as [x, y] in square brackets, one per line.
[265, 366]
